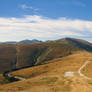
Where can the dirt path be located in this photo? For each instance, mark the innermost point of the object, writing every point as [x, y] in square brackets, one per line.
[12, 78]
[19, 78]
[15, 77]
[79, 71]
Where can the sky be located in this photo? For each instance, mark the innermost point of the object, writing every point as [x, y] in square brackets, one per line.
[45, 19]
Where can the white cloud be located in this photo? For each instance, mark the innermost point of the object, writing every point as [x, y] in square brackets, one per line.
[39, 27]
[26, 7]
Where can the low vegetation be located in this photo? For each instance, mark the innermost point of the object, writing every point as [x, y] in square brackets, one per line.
[49, 61]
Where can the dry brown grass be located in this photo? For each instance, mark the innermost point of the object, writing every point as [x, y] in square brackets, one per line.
[87, 70]
[72, 62]
[27, 55]
[50, 77]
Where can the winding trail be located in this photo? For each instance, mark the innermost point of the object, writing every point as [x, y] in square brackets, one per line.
[15, 77]
[79, 71]
[19, 78]
[9, 76]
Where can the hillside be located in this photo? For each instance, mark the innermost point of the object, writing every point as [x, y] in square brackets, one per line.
[52, 77]
[26, 55]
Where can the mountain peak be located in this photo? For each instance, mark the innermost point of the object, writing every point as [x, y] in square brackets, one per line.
[27, 41]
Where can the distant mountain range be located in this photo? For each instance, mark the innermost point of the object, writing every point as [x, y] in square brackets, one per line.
[22, 42]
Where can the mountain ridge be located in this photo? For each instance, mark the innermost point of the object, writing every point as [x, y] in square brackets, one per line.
[26, 41]
[28, 55]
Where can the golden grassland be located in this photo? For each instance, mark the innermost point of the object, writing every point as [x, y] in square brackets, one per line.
[50, 77]
[87, 70]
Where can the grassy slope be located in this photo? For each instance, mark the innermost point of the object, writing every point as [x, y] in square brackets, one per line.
[50, 77]
[87, 70]
[19, 56]
[7, 57]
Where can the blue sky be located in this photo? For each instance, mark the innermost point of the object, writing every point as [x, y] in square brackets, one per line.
[30, 19]
[80, 9]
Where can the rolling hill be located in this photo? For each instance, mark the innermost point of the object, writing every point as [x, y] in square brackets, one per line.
[52, 77]
[53, 66]
[27, 55]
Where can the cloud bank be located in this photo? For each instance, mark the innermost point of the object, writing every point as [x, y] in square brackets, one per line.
[42, 28]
